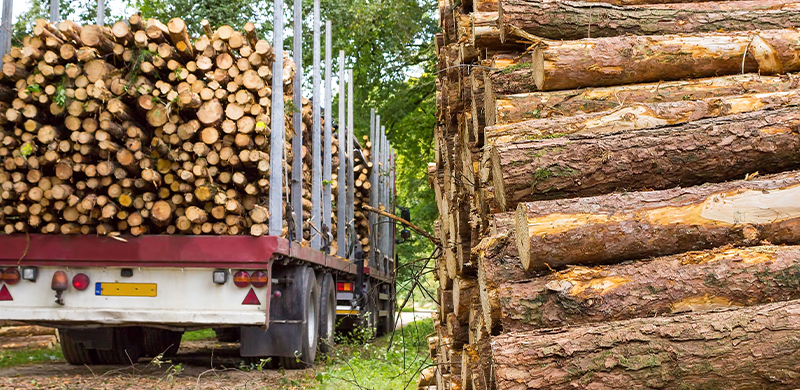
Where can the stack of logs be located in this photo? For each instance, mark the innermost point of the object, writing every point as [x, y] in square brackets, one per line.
[138, 128]
[616, 195]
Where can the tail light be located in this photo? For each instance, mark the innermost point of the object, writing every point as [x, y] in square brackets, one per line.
[241, 279]
[59, 282]
[259, 279]
[80, 282]
[11, 276]
[344, 286]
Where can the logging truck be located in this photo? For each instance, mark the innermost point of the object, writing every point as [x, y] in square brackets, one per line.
[128, 220]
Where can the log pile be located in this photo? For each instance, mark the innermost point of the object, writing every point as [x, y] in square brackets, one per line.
[616, 179]
[138, 128]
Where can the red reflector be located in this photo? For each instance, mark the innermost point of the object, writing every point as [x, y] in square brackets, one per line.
[4, 294]
[258, 279]
[11, 276]
[80, 282]
[251, 298]
[344, 286]
[241, 279]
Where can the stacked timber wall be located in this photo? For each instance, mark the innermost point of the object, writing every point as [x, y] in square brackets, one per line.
[618, 195]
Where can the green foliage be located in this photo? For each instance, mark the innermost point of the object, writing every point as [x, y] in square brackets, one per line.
[203, 334]
[11, 358]
[378, 365]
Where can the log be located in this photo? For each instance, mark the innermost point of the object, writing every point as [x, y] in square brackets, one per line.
[560, 19]
[694, 281]
[498, 263]
[637, 225]
[636, 116]
[748, 346]
[463, 291]
[506, 109]
[596, 62]
[685, 155]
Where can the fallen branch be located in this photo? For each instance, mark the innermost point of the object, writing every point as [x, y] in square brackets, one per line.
[417, 229]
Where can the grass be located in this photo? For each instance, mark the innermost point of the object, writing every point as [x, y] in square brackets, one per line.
[203, 334]
[377, 365]
[10, 358]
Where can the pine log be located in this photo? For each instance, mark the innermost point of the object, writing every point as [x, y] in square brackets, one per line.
[498, 263]
[556, 65]
[560, 19]
[506, 109]
[685, 155]
[694, 281]
[463, 291]
[636, 116]
[755, 348]
[636, 225]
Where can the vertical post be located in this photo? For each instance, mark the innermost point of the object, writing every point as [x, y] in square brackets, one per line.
[101, 12]
[54, 11]
[316, 138]
[386, 221]
[297, 122]
[392, 198]
[371, 217]
[350, 155]
[5, 33]
[327, 158]
[381, 200]
[340, 199]
[277, 136]
[374, 192]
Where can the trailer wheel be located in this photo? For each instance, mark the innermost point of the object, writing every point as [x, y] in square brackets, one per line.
[327, 313]
[161, 341]
[127, 347]
[74, 353]
[310, 301]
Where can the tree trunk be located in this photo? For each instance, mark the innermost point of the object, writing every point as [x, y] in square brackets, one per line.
[559, 19]
[505, 109]
[690, 154]
[636, 116]
[694, 281]
[596, 62]
[636, 225]
[753, 348]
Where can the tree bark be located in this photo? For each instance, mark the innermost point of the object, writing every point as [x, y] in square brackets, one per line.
[596, 62]
[636, 225]
[498, 263]
[694, 281]
[637, 116]
[690, 154]
[505, 109]
[755, 348]
[560, 19]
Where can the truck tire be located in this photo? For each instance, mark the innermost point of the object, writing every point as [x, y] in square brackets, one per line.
[327, 313]
[310, 328]
[127, 347]
[75, 353]
[161, 341]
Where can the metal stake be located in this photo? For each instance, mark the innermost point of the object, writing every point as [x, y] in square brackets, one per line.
[327, 158]
[101, 12]
[54, 11]
[316, 138]
[297, 122]
[340, 199]
[5, 33]
[350, 155]
[277, 136]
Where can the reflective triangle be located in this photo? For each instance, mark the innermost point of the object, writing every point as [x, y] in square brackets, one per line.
[4, 294]
[250, 299]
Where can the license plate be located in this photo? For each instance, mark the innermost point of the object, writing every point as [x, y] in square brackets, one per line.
[125, 289]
